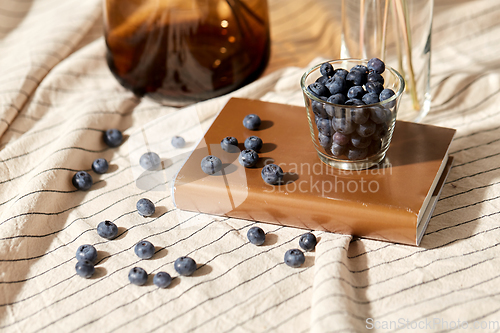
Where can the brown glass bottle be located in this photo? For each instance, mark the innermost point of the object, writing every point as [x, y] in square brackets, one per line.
[184, 51]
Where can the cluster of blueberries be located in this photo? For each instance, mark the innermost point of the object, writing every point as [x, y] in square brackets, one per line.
[357, 132]
[86, 254]
[293, 257]
[271, 173]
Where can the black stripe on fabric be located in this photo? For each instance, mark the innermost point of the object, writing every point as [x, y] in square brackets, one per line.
[275, 305]
[469, 190]
[472, 175]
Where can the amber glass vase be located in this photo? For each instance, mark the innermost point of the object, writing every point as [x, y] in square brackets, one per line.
[183, 51]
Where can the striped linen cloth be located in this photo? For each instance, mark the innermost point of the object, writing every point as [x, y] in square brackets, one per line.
[57, 96]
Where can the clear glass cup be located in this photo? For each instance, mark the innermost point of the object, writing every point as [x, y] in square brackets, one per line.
[325, 119]
[398, 32]
[180, 52]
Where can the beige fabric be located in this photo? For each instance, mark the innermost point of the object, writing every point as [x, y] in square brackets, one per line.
[56, 98]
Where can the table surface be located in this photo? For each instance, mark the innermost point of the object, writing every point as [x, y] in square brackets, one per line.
[57, 96]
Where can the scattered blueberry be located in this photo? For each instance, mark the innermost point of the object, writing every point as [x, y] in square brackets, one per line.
[308, 241]
[185, 266]
[86, 252]
[85, 269]
[178, 142]
[251, 121]
[107, 229]
[145, 207]
[294, 258]
[162, 279]
[144, 249]
[113, 137]
[256, 236]
[326, 69]
[272, 174]
[376, 65]
[253, 142]
[82, 180]
[211, 164]
[138, 276]
[229, 144]
[100, 165]
[248, 158]
[150, 160]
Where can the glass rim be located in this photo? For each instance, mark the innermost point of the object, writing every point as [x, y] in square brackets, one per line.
[314, 98]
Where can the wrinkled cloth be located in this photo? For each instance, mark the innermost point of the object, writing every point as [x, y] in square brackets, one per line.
[57, 96]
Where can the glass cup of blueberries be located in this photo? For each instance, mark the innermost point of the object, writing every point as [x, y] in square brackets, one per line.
[351, 107]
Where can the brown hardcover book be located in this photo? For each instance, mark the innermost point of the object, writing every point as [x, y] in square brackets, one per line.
[393, 202]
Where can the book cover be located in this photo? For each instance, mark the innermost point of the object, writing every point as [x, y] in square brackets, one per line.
[393, 202]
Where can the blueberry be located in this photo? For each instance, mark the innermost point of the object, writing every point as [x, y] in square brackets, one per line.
[251, 121]
[380, 131]
[144, 249]
[211, 164]
[162, 279]
[272, 174]
[360, 68]
[386, 94]
[366, 129]
[107, 229]
[178, 142]
[376, 65]
[380, 115]
[374, 87]
[343, 125]
[326, 69]
[360, 115]
[318, 90]
[338, 150]
[229, 144]
[322, 79]
[254, 143]
[324, 141]
[341, 139]
[356, 78]
[356, 92]
[294, 258]
[248, 158]
[113, 137]
[359, 141]
[337, 85]
[370, 98]
[84, 268]
[354, 101]
[150, 160]
[86, 252]
[137, 276]
[256, 236]
[100, 165]
[319, 109]
[336, 99]
[357, 153]
[308, 241]
[325, 127]
[375, 77]
[185, 266]
[82, 180]
[145, 207]
[341, 73]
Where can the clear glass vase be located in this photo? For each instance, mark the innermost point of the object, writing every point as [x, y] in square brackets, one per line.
[398, 32]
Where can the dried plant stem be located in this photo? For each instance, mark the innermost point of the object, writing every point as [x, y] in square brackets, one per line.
[384, 28]
[403, 21]
[362, 19]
